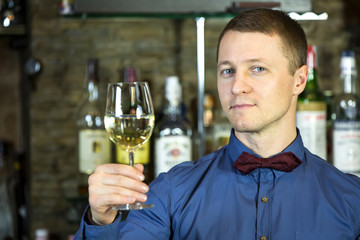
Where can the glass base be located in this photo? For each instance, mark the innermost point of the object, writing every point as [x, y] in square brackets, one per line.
[133, 206]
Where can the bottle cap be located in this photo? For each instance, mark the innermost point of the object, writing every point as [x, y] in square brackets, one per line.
[173, 91]
[347, 53]
[347, 63]
[130, 74]
[311, 56]
[92, 70]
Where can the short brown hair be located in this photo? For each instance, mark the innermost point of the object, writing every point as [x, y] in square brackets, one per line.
[272, 22]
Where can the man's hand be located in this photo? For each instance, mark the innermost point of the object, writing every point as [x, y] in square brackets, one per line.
[114, 184]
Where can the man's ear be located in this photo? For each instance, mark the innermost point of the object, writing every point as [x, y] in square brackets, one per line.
[300, 79]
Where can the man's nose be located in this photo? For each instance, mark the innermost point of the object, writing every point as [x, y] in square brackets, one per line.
[241, 84]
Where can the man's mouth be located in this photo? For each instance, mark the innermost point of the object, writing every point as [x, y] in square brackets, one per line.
[242, 106]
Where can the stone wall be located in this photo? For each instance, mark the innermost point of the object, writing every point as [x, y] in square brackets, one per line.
[157, 46]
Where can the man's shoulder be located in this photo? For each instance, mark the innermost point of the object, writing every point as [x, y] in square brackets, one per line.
[326, 172]
[198, 166]
[186, 175]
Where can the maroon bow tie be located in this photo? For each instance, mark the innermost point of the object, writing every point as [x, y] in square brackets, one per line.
[285, 162]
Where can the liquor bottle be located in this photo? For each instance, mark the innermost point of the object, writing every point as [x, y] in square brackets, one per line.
[209, 120]
[311, 111]
[143, 153]
[94, 147]
[41, 234]
[12, 13]
[173, 134]
[222, 129]
[8, 206]
[346, 119]
[66, 7]
[329, 97]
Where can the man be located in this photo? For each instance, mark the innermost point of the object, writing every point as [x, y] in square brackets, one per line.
[261, 72]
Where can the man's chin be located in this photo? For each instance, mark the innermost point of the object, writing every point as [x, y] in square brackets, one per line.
[243, 126]
[244, 129]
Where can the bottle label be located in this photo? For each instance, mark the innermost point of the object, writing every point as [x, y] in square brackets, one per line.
[312, 126]
[141, 155]
[346, 145]
[94, 149]
[311, 106]
[221, 134]
[170, 151]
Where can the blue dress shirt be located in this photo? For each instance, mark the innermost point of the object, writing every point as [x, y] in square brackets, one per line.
[209, 199]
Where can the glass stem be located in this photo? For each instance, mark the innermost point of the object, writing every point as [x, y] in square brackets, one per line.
[131, 158]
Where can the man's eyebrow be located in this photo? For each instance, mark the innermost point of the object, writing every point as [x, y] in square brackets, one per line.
[223, 63]
[251, 60]
[254, 60]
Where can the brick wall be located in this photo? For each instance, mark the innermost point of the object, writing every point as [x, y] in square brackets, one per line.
[63, 45]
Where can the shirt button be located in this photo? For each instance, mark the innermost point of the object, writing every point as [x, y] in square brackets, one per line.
[263, 238]
[264, 200]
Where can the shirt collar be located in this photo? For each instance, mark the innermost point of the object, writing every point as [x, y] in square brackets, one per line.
[236, 147]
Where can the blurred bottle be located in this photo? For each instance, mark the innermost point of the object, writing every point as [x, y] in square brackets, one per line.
[12, 13]
[66, 7]
[209, 121]
[94, 147]
[311, 110]
[142, 155]
[173, 143]
[41, 234]
[8, 199]
[346, 119]
[222, 129]
[329, 97]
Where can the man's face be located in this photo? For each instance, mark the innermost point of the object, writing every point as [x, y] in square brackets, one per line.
[255, 87]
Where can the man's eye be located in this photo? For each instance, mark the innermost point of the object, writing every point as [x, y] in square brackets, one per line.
[258, 69]
[228, 71]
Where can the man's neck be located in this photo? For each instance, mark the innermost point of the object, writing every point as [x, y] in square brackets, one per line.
[269, 143]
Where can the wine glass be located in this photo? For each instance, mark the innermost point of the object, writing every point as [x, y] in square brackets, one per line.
[129, 120]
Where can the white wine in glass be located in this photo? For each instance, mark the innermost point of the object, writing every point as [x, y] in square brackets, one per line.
[129, 120]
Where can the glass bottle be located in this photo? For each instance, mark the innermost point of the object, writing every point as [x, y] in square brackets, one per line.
[41, 234]
[311, 110]
[346, 119]
[173, 143]
[143, 153]
[209, 120]
[94, 146]
[222, 129]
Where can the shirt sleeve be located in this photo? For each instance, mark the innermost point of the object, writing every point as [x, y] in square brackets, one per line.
[88, 231]
[152, 223]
